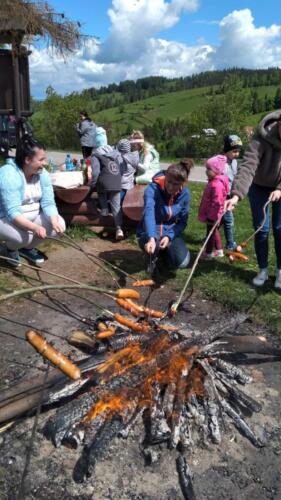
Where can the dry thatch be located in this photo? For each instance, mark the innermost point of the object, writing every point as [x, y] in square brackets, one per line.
[26, 19]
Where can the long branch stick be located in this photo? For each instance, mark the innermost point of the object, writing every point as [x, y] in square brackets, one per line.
[176, 304]
[92, 258]
[73, 244]
[41, 270]
[262, 223]
[25, 291]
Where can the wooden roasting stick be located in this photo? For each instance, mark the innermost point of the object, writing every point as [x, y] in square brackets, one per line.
[53, 355]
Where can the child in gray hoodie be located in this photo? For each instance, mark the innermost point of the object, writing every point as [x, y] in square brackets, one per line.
[106, 178]
[129, 166]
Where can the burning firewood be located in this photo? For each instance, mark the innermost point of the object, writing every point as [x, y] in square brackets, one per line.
[186, 393]
[184, 386]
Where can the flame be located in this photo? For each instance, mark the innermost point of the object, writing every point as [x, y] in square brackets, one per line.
[176, 366]
[109, 404]
[131, 356]
[195, 382]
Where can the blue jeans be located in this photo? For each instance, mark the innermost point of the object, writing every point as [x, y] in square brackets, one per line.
[177, 253]
[228, 223]
[258, 196]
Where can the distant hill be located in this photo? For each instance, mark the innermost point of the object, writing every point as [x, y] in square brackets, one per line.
[171, 105]
[168, 111]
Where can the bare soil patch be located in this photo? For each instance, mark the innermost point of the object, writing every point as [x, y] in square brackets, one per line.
[233, 470]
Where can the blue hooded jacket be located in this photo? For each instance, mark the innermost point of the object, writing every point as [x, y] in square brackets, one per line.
[12, 188]
[164, 214]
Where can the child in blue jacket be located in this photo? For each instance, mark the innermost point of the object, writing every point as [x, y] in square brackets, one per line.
[166, 209]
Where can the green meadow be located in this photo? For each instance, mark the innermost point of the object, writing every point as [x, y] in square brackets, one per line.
[166, 106]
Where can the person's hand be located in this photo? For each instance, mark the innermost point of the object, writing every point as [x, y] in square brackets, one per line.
[40, 231]
[57, 227]
[275, 195]
[231, 203]
[164, 242]
[150, 246]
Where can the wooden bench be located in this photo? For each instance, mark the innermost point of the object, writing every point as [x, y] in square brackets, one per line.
[80, 206]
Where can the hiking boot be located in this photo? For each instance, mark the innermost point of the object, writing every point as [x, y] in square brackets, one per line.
[13, 254]
[261, 277]
[277, 283]
[33, 255]
[119, 235]
[217, 253]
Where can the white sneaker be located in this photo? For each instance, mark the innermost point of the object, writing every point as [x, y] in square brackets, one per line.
[277, 283]
[119, 234]
[262, 277]
[218, 253]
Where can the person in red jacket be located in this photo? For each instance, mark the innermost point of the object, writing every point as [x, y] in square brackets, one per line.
[212, 203]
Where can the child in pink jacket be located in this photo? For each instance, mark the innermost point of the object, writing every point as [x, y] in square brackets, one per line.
[212, 203]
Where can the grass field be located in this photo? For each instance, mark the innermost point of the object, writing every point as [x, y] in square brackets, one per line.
[230, 284]
[226, 283]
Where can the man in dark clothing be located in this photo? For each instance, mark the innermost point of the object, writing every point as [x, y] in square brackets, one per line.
[259, 174]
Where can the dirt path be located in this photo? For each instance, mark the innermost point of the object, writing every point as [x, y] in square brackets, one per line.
[234, 470]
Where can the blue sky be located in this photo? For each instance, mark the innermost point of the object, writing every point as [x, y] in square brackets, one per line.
[172, 38]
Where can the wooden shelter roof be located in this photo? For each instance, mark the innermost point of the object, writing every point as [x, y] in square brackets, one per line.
[26, 18]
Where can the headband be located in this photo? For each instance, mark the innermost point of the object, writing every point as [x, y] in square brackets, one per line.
[136, 141]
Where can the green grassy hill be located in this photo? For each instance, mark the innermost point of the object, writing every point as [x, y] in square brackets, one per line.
[171, 105]
[167, 106]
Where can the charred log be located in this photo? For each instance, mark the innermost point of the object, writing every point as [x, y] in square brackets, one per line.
[185, 478]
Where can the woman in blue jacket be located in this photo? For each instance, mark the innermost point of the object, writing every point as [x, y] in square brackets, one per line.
[166, 208]
[28, 213]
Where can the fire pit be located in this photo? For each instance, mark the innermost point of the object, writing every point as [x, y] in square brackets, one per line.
[179, 401]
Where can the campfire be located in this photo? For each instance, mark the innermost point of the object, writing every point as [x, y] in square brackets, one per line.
[142, 366]
[182, 384]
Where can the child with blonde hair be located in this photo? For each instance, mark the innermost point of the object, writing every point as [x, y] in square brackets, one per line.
[148, 157]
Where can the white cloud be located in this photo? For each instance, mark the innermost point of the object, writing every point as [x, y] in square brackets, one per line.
[133, 23]
[132, 49]
[244, 45]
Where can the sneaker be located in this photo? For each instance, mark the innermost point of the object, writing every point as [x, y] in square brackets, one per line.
[217, 253]
[119, 235]
[206, 256]
[277, 283]
[32, 255]
[261, 278]
[104, 212]
[13, 254]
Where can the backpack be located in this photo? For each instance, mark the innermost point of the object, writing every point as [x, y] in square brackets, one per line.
[110, 174]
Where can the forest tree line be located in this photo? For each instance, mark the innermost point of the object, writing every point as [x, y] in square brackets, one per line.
[224, 109]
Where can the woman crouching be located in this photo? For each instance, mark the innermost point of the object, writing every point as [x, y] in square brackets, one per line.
[166, 209]
[28, 213]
